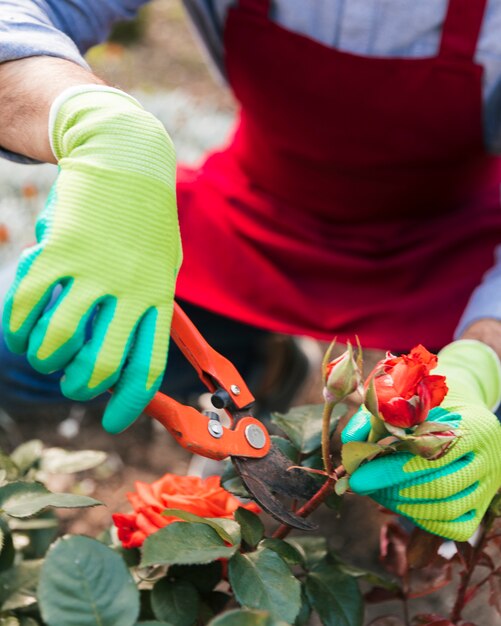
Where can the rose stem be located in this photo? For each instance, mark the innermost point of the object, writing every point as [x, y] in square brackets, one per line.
[326, 437]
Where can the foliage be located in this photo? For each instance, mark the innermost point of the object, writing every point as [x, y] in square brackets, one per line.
[228, 570]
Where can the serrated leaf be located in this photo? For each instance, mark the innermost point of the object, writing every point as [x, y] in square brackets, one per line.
[192, 518]
[335, 595]
[204, 577]
[23, 499]
[59, 461]
[288, 552]
[246, 617]
[18, 585]
[175, 600]
[8, 553]
[285, 446]
[353, 453]
[85, 583]
[185, 544]
[251, 526]
[303, 425]
[303, 617]
[311, 549]
[262, 580]
[27, 454]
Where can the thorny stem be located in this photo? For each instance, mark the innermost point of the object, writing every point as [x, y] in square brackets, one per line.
[467, 573]
[326, 437]
[333, 475]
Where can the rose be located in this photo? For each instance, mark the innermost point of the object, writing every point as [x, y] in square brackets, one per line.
[342, 376]
[400, 389]
[205, 498]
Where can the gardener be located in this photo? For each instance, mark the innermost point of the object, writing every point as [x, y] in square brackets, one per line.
[359, 192]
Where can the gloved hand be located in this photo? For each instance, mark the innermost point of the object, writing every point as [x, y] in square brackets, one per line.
[448, 496]
[109, 236]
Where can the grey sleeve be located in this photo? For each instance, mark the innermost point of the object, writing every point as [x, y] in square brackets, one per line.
[57, 28]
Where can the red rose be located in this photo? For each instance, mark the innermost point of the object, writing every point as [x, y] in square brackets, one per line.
[404, 389]
[205, 498]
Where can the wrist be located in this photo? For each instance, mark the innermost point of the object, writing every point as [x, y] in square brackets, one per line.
[487, 331]
[27, 89]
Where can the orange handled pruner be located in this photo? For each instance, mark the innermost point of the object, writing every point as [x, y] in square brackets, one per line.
[264, 469]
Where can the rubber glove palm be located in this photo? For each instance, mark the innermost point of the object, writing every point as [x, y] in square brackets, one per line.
[109, 236]
[448, 496]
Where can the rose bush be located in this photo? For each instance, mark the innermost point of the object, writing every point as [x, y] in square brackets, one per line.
[205, 498]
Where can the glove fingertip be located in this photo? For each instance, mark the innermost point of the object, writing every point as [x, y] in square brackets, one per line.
[358, 428]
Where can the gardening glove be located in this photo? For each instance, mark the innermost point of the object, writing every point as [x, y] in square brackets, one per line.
[448, 496]
[109, 238]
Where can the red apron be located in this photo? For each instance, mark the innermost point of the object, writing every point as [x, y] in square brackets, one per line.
[355, 195]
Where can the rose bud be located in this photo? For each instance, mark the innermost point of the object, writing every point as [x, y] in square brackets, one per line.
[342, 376]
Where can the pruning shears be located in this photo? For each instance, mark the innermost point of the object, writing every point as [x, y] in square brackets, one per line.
[265, 471]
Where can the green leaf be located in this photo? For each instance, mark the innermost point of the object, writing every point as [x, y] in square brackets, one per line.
[41, 531]
[303, 617]
[8, 553]
[285, 446]
[303, 425]
[18, 585]
[289, 553]
[185, 544]
[244, 617]
[176, 600]
[262, 580]
[28, 621]
[204, 577]
[312, 549]
[150, 623]
[27, 454]
[353, 453]
[85, 583]
[251, 526]
[342, 486]
[232, 482]
[334, 595]
[9, 621]
[7, 466]
[191, 517]
[22, 499]
[59, 461]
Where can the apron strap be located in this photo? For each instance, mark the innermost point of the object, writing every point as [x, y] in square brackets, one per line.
[261, 7]
[462, 29]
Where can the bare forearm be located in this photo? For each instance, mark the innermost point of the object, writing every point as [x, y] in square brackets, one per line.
[486, 330]
[28, 88]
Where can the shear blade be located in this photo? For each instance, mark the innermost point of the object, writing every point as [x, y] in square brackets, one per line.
[270, 475]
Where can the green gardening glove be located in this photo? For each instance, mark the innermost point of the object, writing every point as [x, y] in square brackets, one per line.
[448, 496]
[109, 236]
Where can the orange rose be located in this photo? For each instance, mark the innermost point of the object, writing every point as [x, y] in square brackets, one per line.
[205, 498]
[404, 389]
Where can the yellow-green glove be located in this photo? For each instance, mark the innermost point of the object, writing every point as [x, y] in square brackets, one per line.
[448, 496]
[109, 236]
